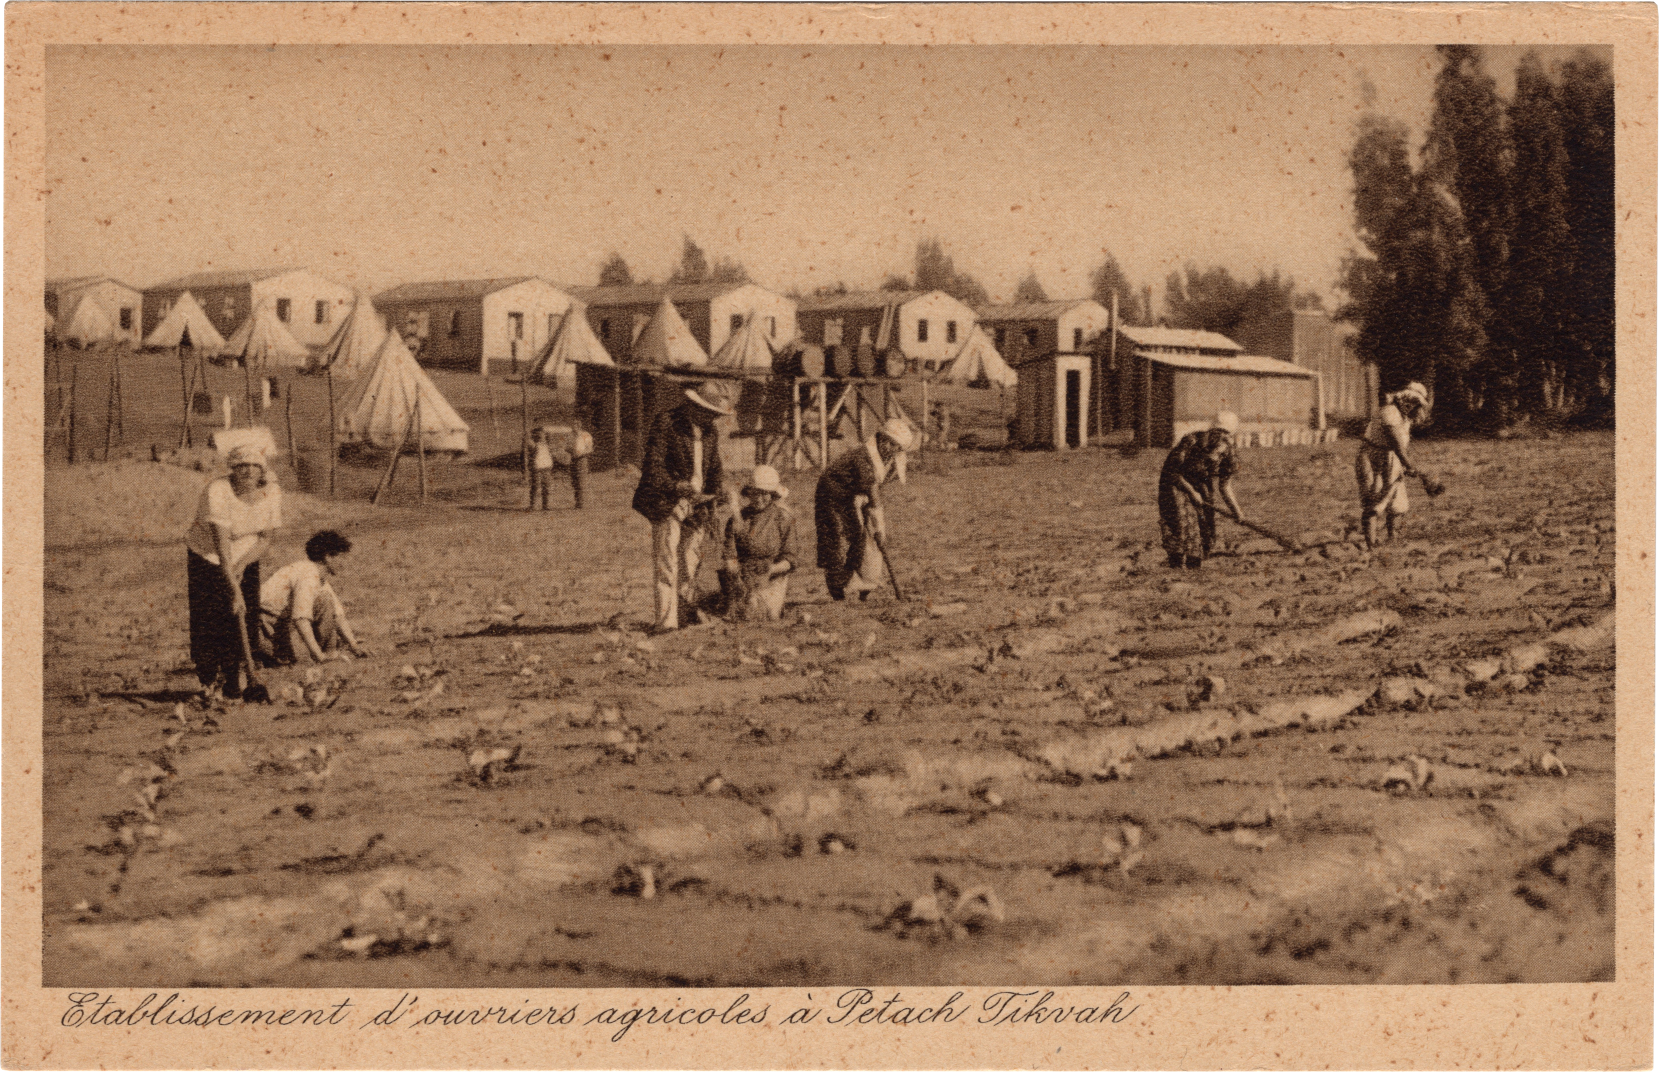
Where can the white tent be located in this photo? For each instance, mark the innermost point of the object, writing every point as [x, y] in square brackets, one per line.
[667, 341]
[747, 348]
[573, 344]
[88, 324]
[186, 318]
[263, 341]
[978, 360]
[381, 404]
[351, 350]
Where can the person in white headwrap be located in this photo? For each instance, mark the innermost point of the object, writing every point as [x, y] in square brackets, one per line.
[235, 520]
[847, 507]
[1197, 474]
[1384, 461]
[760, 550]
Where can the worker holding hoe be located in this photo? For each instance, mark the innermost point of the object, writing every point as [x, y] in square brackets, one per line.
[235, 520]
[1384, 462]
[847, 511]
[760, 550]
[679, 482]
[1197, 477]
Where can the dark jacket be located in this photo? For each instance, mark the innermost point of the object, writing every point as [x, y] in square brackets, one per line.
[668, 459]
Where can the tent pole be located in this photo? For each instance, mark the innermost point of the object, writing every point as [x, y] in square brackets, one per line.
[823, 425]
[616, 419]
[495, 426]
[795, 409]
[921, 450]
[109, 412]
[524, 433]
[184, 386]
[247, 386]
[420, 445]
[333, 449]
[288, 421]
[120, 404]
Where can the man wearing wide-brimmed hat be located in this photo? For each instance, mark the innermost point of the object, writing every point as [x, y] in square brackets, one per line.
[847, 508]
[679, 481]
[1384, 460]
[760, 550]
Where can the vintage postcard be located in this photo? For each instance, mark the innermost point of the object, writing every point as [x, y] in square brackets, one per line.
[890, 536]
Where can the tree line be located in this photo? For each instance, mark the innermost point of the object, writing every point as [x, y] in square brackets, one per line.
[1487, 269]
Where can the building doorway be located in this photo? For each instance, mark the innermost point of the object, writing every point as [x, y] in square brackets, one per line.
[1074, 408]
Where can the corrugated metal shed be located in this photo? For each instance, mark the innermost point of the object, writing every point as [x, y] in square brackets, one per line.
[1178, 338]
[1048, 310]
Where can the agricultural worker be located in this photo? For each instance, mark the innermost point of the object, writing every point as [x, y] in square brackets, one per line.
[235, 520]
[847, 510]
[679, 481]
[300, 602]
[760, 550]
[1197, 474]
[1384, 460]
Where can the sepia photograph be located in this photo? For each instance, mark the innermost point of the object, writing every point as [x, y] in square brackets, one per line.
[723, 515]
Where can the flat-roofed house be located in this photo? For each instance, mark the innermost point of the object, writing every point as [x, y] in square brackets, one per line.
[712, 311]
[481, 325]
[123, 303]
[305, 303]
[931, 326]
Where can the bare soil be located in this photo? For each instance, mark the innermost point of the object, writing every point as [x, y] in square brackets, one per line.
[1058, 762]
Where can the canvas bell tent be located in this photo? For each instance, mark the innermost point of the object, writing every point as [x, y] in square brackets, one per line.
[186, 325]
[667, 342]
[262, 342]
[381, 406]
[351, 351]
[572, 344]
[978, 362]
[747, 350]
[88, 325]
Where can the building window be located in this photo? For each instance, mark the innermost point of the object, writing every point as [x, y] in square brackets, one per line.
[322, 312]
[921, 331]
[737, 322]
[950, 331]
[1077, 338]
[1031, 337]
[283, 308]
[1002, 338]
[126, 318]
[605, 330]
[515, 321]
[772, 326]
[455, 324]
[832, 333]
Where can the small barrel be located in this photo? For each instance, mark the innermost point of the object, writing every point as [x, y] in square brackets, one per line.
[892, 362]
[812, 362]
[866, 361]
[841, 360]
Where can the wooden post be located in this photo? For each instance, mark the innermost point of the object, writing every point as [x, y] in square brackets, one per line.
[288, 421]
[823, 426]
[74, 374]
[1112, 359]
[391, 469]
[120, 404]
[333, 448]
[186, 383]
[109, 412]
[921, 449]
[616, 420]
[420, 445]
[795, 411]
[247, 387]
[495, 426]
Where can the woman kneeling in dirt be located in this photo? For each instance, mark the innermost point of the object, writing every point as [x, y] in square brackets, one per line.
[299, 610]
[1384, 460]
[760, 550]
[1197, 474]
[846, 509]
[235, 520]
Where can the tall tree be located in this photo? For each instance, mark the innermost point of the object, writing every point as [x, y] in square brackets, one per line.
[1536, 299]
[615, 272]
[895, 282]
[1210, 300]
[1030, 289]
[1107, 280]
[1467, 155]
[694, 263]
[935, 270]
[1587, 130]
[728, 270]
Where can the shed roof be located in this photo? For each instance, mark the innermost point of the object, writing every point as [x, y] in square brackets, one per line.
[1247, 364]
[1044, 310]
[861, 299]
[652, 293]
[450, 289]
[235, 278]
[1184, 337]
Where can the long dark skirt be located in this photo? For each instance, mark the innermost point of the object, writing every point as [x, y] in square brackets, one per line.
[1187, 531]
[840, 539]
[214, 647]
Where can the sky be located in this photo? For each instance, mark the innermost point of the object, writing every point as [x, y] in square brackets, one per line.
[380, 165]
